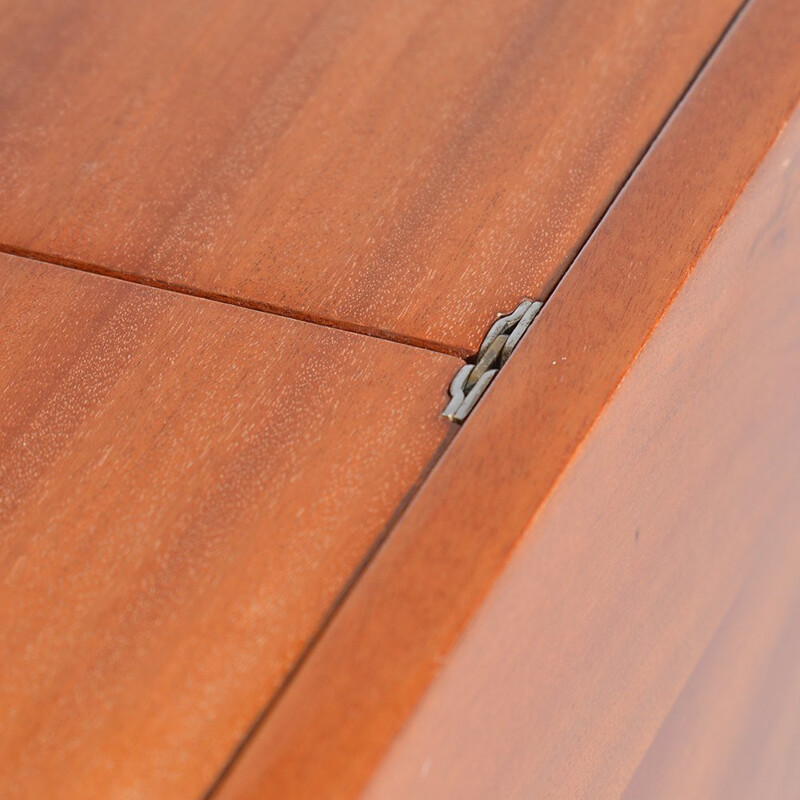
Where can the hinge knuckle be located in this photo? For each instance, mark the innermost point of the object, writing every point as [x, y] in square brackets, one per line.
[472, 380]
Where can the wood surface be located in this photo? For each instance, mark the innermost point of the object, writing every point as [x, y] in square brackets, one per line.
[367, 672]
[734, 732]
[405, 169]
[645, 633]
[185, 489]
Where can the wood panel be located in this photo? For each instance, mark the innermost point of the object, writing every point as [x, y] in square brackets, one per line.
[734, 732]
[401, 168]
[367, 672]
[674, 531]
[185, 489]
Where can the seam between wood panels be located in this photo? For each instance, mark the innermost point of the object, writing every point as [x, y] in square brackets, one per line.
[252, 305]
[328, 322]
[382, 538]
[337, 602]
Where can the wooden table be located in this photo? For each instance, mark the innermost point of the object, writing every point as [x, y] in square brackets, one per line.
[246, 247]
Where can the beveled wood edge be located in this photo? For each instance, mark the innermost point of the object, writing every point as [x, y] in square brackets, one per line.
[676, 498]
[374, 661]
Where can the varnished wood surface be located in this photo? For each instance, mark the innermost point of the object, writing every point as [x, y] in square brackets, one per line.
[644, 634]
[734, 732]
[400, 168]
[185, 488]
[346, 704]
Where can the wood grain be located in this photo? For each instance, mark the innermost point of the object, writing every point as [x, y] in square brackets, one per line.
[658, 586]
[734, 732]
[185, 489]
[368, 671]
[401, 168]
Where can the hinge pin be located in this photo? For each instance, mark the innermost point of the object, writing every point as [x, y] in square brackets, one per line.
[472, 380]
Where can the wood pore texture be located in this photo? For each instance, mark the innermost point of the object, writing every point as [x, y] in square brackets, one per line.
[349, 700]
[402, 168]
[185, 488]
[247, 246]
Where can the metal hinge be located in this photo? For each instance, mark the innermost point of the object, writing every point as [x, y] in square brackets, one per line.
[472, 380]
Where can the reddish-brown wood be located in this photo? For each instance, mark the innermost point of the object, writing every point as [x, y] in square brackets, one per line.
[367, 672]
[185, 488]
[401, 168]
[734, 732]
[684, 492]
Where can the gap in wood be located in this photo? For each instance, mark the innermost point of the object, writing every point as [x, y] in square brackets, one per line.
[251, 305]
[469, 357]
